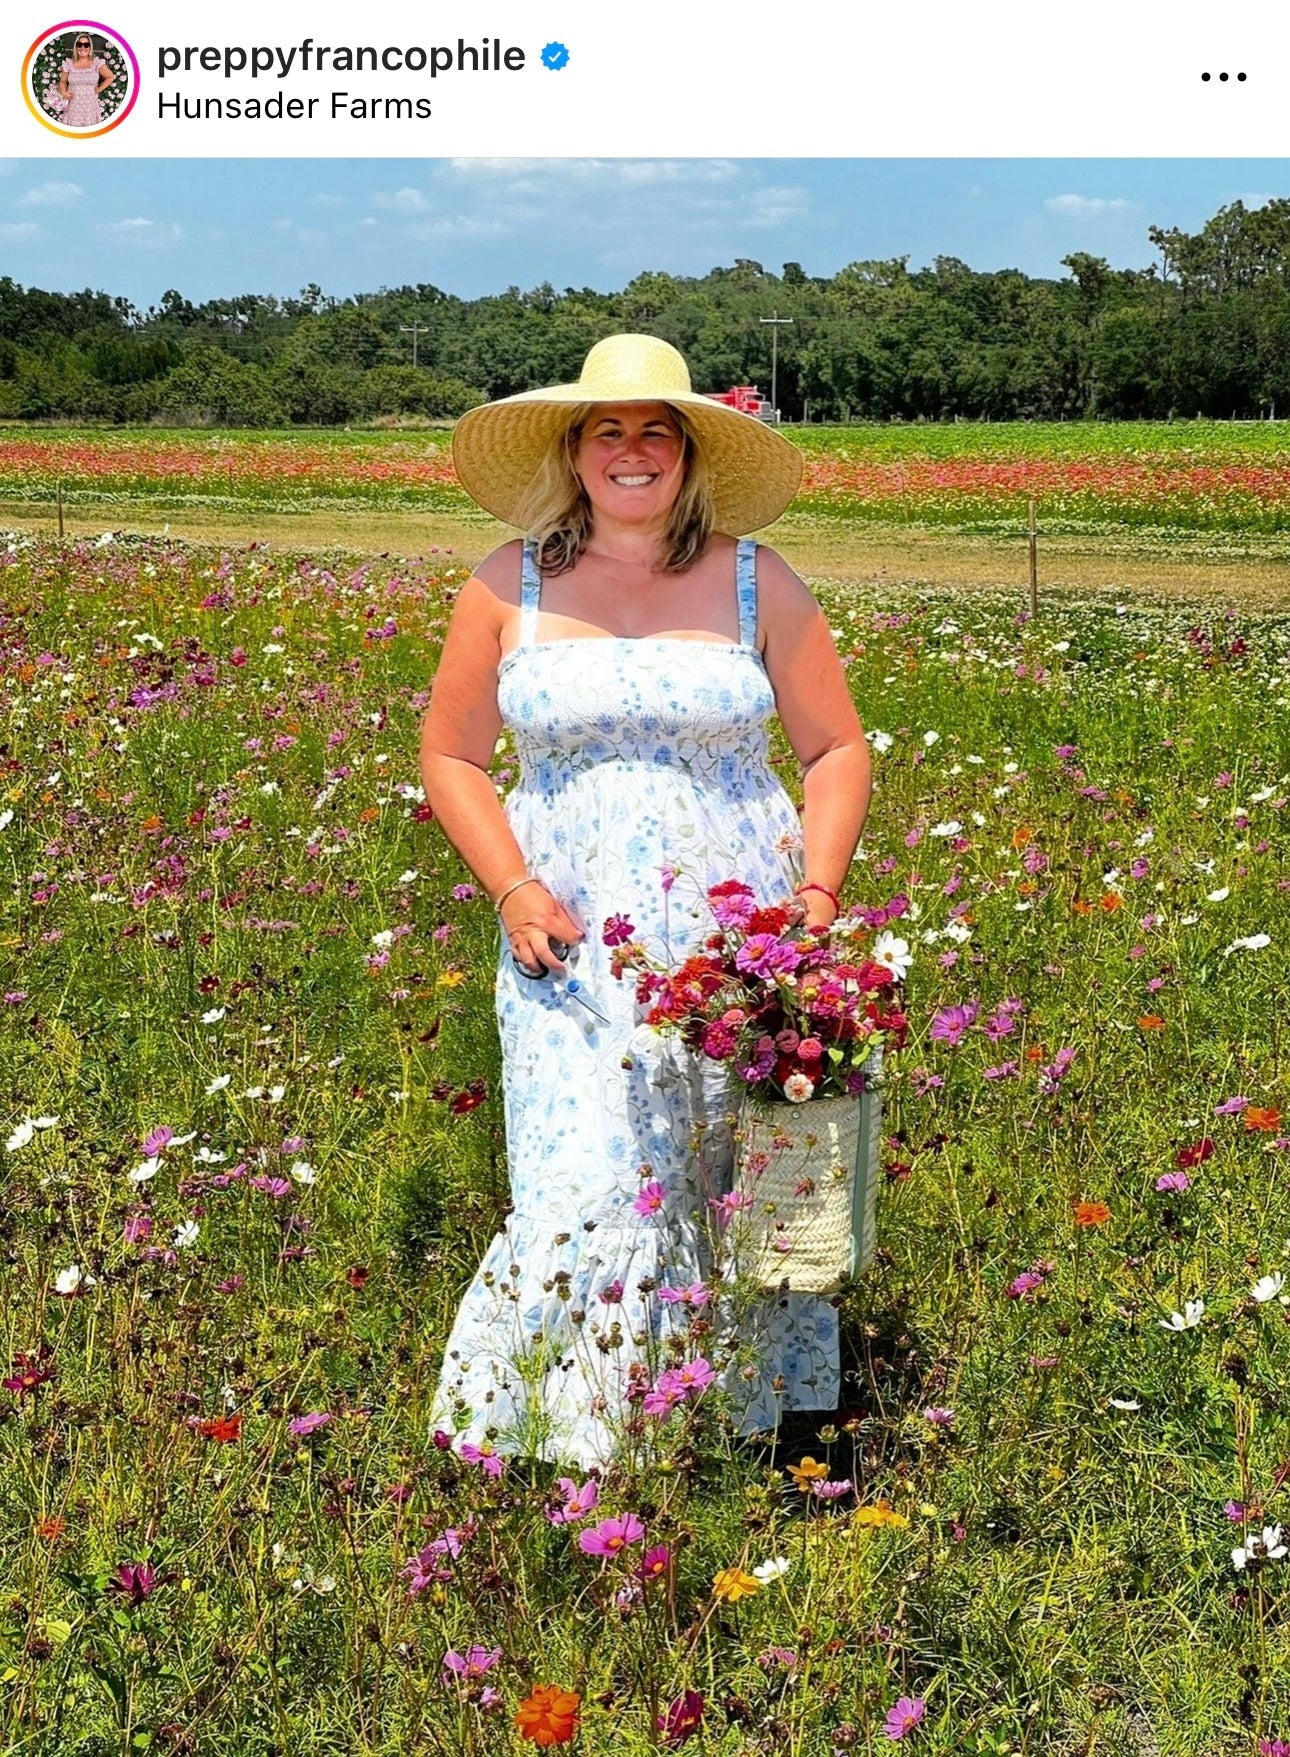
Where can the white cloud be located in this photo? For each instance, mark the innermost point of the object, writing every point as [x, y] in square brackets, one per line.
[1090, 207]
[403, 201]
[460, 226]
[323, 199]
[774, 204]
[155, 234]
[16, 230]
[51, 195]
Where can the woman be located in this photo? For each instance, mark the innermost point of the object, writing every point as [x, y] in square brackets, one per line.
[84, 78]
[635, 651]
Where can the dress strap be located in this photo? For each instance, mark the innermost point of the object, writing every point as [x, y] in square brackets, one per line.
[530, 593]
[746, 578]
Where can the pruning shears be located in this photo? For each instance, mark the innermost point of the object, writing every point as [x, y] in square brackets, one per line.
[569, 985]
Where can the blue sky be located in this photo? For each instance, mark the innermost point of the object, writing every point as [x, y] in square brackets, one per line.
[222, 227]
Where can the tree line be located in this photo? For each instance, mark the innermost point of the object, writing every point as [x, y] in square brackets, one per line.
[1203, 329]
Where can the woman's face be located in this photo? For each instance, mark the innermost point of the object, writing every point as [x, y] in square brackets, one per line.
[84, 48]
[631, 461]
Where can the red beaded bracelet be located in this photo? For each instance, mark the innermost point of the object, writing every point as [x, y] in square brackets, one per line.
[810, 885]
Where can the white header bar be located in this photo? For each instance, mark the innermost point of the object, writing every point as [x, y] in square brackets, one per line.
[670, 80]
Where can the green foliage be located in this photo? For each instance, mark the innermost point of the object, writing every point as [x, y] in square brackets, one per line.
[1204, 330]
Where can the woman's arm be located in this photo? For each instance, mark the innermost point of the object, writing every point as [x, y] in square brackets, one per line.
[820, 719]
[105, 67]
[458, 738]
[62, 84]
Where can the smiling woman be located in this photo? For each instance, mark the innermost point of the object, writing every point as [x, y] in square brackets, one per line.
[635, 643]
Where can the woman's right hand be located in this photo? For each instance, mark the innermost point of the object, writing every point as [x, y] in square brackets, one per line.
[531, 918]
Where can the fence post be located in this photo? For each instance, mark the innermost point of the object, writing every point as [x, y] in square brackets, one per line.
[1034, 565]
[60, 510]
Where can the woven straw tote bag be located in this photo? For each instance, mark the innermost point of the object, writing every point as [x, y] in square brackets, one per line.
[811, 1172]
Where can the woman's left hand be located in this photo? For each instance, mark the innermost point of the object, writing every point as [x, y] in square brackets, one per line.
[814, 910]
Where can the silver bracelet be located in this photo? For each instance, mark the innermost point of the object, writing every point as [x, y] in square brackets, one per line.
[528, 879]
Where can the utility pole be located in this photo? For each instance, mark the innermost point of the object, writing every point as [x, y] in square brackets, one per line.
[414, 330]
[774, 321]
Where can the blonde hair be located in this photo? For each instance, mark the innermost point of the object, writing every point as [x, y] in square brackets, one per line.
[557, 514]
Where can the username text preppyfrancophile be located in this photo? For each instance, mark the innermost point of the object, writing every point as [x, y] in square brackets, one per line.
[277, 62]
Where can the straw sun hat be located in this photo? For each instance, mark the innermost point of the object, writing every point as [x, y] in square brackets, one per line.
[497, 448]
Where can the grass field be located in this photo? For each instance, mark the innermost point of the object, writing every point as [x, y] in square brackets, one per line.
[252, 1149]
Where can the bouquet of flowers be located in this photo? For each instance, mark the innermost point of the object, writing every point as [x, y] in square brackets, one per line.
[797, 1013]
[802, 1016]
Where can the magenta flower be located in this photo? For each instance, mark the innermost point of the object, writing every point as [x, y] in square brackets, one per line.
[1174, 1180]
[579, 1503]
[663, 1397]
[611, 1293]
[1274, 1748]
[492, 1461]
[651, 1198]
[680, 1720]
[159, 1139]
[136, 1580]
[696, 1294]
[728, 1206]
[611, 1535]
[471, 1664]
[766, 955]
[306, 1424]
[949, 1024]
[617, 930]
[695, 1375]
[904, 1716]
[653, 1564]
[734, 906]
[939, 1418]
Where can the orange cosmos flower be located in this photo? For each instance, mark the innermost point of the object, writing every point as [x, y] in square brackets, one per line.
[1111, 902]
[1261, 1119]
[732, 1584]
[807, 1472]
[50, 1528]
[221, 1427]
[368, 814]
[1151, 1022]
[1091, 1213]
[1021, 835]
[883, 1513]
[548, 1715]
[1080, 906]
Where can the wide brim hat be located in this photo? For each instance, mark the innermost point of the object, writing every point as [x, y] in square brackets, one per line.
[497, 448]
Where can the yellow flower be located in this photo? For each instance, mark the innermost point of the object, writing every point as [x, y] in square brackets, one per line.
[807, 1472]
[451, 978]
[881, 1514]
[732, 1584]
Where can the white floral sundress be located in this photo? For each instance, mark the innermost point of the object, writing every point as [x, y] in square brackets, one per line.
[635, 755]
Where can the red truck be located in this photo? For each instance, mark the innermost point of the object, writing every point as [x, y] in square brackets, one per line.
[747, 399]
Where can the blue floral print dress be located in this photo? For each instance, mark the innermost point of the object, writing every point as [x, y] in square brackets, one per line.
[639, 759]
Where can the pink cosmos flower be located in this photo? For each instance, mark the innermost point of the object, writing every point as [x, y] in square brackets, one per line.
[306, 1424]
[611, 1535]
[653, 1564]
[904, 1716]
[1174, 1180]
[696, 1294]
[578, 1502]
[651, 1198]
[492, 1462]
[471, 1664]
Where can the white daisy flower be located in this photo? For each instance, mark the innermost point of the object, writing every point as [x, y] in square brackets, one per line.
[775, 1569]
[70, 1280]
[214, 1016]
[186, 1234]
[303, 1172]
[1257, 1548]
[1268, 1287]
[146, 1169]
[894, 953]
[219, 1083]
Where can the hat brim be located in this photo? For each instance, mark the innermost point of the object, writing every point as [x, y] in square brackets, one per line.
[497, 448]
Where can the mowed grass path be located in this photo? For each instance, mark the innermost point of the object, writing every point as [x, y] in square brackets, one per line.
[252, 1149]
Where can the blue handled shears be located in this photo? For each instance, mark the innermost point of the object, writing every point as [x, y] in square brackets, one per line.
[570, 984]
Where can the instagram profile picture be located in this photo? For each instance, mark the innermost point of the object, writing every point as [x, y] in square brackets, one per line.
[80, 79]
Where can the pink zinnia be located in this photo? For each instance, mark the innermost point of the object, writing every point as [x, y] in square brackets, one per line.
[904, 1716]
[611, 1535]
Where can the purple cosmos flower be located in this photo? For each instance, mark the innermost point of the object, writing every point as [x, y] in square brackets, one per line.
[492, 1462]
[904, 1716]
[579, 1503]
[939, 1418]
[681, 1717]
[1231, 1106]
[949, 1024]
[651, 1198]
[306, 1424]
[1177, 1181]
[471, 1664]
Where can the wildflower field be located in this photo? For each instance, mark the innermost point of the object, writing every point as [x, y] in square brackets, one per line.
[1150, 481]
[252, 1148]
